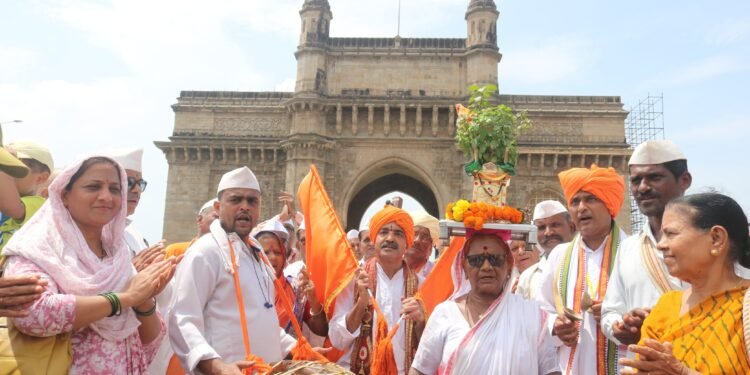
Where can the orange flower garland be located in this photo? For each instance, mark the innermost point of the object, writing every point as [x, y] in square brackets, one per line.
[476, 214]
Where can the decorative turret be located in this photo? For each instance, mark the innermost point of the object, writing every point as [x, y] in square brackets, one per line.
[481, 20]
[481, 42]
[311, 56]
[316, 21]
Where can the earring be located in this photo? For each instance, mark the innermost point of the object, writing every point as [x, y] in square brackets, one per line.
[714, 252]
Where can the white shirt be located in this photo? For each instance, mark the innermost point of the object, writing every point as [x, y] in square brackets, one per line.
[292, 270]
[136, 244]
[630, 285]
[134, 239]
[426, 269]
[585, 357]
[530, 279]
[388, 296]
[205, 322]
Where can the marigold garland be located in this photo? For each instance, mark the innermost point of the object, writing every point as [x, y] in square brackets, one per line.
[476, 214]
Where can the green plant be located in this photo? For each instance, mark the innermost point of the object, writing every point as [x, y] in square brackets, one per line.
[486, 132]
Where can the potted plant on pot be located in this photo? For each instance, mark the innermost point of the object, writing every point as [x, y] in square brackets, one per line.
[488, 135]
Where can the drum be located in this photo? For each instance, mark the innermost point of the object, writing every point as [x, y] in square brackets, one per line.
[307, 368]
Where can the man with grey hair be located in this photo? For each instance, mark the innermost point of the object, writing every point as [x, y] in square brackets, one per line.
[658, 174]
[206, 215]
[417, 257]
[554, 226]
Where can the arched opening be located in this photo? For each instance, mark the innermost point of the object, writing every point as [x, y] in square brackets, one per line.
[408, 203]
[387, 184]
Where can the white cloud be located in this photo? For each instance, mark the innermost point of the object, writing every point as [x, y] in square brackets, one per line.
[380, 18]
[729, 32]
[14, 60]
[698, 71]
[550, 61]
[728, 129]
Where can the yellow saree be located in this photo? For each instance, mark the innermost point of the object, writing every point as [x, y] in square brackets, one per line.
[708, 338]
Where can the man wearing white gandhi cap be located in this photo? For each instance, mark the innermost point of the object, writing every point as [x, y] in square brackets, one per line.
[658, 174]
[554, 226]
[205, 325]
[131, 160]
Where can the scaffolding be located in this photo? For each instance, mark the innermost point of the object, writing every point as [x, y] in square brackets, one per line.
[645, 122]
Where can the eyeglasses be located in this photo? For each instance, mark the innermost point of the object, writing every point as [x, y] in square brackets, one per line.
[132, 182]
[478, 260]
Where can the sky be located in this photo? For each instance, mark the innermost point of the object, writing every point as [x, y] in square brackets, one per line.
[88, 75]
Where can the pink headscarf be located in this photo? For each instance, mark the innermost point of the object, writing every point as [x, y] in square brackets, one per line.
[53, 242]
[460, 286]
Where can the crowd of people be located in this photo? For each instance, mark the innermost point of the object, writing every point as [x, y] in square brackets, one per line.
[586, 298]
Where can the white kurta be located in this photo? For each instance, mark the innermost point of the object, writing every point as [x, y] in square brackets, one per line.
[426, 269]
[292, 270]
[630, 285]
[136, 244]
[388, 296]
[205, 322]
[134, 239]
[585, 356]
[522, 325]
[530, 279]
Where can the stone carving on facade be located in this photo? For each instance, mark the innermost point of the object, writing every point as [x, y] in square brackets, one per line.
[260, 126]
[409, 130]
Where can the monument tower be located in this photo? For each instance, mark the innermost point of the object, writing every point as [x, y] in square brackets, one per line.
[377, 115]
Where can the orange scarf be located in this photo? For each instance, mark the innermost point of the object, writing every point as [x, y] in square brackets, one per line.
[379, 359]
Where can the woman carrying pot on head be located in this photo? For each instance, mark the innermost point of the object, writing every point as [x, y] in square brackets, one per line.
[76, 242]
[489, 330]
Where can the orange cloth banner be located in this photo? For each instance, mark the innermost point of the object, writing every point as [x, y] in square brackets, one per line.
[438, 285]
[329, 258]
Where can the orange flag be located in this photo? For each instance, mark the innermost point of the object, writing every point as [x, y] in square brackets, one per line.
[438, 285]
[329, 258]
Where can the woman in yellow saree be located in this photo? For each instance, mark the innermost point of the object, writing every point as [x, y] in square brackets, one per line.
[699, 330]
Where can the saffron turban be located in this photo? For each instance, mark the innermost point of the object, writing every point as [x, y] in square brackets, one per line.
[392, 214]
[604, 183]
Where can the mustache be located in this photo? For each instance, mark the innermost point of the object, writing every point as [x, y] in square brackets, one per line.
[551, 237]
[651, 195]
[243, 215]
[389, 245]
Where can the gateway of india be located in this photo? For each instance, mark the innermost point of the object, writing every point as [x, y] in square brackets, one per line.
[377, 115]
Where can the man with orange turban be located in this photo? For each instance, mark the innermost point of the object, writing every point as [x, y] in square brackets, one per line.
[575, 281]
[372, 305]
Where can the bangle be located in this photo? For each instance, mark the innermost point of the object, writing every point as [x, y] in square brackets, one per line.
[317, 313]
[114, 301]
[150, 311]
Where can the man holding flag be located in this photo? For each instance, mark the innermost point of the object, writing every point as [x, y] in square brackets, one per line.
[377, 320]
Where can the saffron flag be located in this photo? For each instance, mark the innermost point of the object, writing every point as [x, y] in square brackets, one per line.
[439, 285]
[329, 258]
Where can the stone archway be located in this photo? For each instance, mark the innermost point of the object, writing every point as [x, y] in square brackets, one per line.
[387, 184]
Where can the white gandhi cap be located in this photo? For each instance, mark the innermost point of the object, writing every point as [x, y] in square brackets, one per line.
[128, 158]
[209, 204]
[547, 209]
[240, 178]
[656, 152]
[352, 234]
